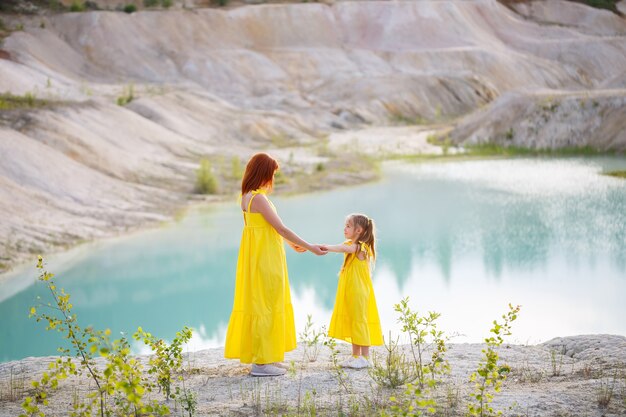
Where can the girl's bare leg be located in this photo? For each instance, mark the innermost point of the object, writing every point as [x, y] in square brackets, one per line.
[356, 350]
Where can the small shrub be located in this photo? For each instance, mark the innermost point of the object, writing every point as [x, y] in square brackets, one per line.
[9, 101]
[587, 371]
[617, 174]
[606, 391]
[336, 369]
[438, 112]
[490, 372]
[77, 7]
[166, 3]
[206, 183]
[394, 370]
[320, 167]
[309, 405]
[424, 337]
[432, 139]
[428, 348]
[445, 146]
[530, 374]
[150, 3]
[510, 134]
[130, 8]
[601, 4]
[312, 340]
[550, 105]
[556, 360]
[166, 357]
[128, 95]
[120, 383]
[121, 379]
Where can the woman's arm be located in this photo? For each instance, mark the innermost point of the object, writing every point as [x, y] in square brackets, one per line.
[261, 205]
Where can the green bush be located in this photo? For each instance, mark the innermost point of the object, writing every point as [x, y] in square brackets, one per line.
[128, 95]
[150, 3]
[120, 385]
[394, 369]
[130, 8]
[166, 3]
[602, 4]
[206, 183]
[312, 340]
[77, 7]
[9, 101]
[491, 372]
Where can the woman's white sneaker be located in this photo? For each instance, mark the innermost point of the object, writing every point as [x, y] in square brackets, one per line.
[266, 370]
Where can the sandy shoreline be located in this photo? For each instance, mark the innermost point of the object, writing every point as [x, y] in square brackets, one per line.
[536, 386]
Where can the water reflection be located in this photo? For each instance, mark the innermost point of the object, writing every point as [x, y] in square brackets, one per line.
[460, 238]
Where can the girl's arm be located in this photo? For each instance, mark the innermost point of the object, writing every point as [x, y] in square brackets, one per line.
[261, 205]
[342, 248]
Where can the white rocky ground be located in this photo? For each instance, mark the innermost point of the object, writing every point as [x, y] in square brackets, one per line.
[562, 377]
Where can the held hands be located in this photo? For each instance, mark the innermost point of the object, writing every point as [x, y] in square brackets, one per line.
[319, 250]
[316, 249]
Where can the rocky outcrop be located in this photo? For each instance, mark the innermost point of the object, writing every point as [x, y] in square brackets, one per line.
[550, 120]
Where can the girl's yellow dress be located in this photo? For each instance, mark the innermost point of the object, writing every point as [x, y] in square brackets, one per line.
[261, 327]
[355, 316]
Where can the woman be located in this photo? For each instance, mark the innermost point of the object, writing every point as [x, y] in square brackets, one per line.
[261, 327]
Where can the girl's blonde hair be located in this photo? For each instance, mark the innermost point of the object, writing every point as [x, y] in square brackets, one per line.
[368, 235]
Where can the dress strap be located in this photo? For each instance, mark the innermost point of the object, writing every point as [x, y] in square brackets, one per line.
[254, 193]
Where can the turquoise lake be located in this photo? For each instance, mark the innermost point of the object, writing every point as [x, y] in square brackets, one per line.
[461, 238]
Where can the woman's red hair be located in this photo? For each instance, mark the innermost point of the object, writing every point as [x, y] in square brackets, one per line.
[259, 172]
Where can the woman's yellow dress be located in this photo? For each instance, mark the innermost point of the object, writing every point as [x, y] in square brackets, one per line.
[355, 316]
[261, 327]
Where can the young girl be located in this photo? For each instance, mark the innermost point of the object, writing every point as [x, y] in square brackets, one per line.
[261, 327]
[355, 316]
